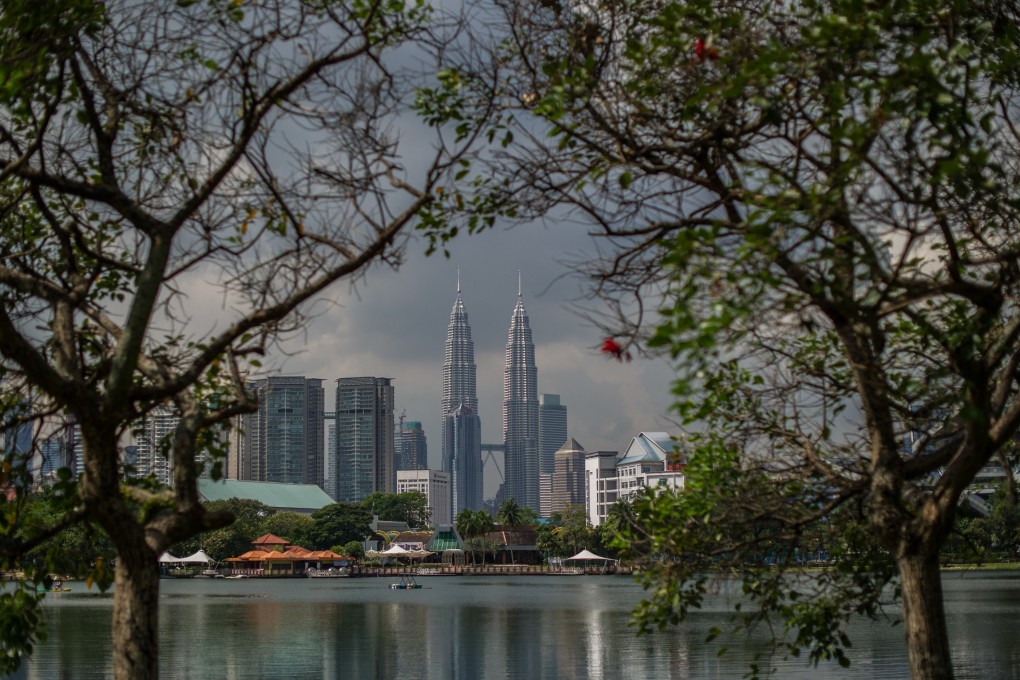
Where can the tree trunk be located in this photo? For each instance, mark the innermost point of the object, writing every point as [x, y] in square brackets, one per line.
[924, 618]
[136, 614]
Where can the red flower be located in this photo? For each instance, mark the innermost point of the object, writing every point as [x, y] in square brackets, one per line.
[703, 51]
[610, 346]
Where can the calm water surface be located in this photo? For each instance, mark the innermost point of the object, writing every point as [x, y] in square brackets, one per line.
[483, 627]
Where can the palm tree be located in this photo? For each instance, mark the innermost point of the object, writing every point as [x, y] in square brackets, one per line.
[472, 524]
[510, 513]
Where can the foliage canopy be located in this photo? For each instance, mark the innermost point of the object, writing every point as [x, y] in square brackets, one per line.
[812, 208]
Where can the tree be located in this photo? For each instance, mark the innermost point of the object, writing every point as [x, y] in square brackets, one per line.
[72, 550]
[471, 523]
[575, 532]
[483, 545]
[339, 524]
[411, 507]
[154, 157]
[812, 208]
[510, 513]
[293, 526]
[232, 540]
[353, 549]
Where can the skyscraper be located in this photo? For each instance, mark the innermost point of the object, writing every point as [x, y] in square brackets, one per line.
[364, 439]
[520, 411]
[283, 440]
[552, 429]
[414, 452]
[462, 428]
[153, 439]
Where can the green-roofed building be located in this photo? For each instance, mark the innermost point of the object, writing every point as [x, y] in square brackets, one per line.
[303, 498]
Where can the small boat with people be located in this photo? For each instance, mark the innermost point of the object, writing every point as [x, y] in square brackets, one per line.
[405, 582]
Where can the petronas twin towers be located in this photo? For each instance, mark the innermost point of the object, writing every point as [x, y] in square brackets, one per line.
[462, 444]
[462, 429]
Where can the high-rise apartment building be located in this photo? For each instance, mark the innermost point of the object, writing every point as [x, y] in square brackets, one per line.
[462, 428]
[363, 457]
[153, 440]
[283, 440]
[552, 429]
[520, 412]
[414, 451]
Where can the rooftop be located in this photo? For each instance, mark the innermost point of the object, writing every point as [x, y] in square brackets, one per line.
[304, 498]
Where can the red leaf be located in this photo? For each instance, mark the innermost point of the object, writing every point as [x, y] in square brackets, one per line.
[610, 346]
[703, 51]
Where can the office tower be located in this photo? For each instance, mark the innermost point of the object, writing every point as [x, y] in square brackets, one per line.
[74, 448]
[283, 440]
[363, 457]
[520, 412]
[552, 429]
[52, 457]
[17, 431]
[568, 477]
[462, 428]
[414, 452]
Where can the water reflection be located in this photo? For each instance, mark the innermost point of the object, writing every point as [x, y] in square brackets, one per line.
[517, 627]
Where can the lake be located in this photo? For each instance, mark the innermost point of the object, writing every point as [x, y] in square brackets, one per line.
[483, 627]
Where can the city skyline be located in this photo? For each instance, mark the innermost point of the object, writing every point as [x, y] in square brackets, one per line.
[394, 323]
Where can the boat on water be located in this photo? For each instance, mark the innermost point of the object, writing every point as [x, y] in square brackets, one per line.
[57, 587]
[405, 582]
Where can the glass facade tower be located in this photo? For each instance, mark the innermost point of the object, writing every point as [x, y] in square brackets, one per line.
[283, 441]
[363, 457]
[462, 429]
[520, 412]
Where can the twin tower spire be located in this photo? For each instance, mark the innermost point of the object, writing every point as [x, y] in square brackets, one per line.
[461, 425]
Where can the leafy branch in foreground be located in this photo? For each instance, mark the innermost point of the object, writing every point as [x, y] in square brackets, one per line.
[812, 208]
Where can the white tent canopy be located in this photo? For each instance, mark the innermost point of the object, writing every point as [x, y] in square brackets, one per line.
[396, 551]
[588, 555]
[166, 558]
[201, 557]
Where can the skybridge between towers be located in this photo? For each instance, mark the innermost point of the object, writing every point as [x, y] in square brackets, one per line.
[487, 451]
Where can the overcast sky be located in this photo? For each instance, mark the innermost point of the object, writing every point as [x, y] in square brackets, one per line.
[393, 324]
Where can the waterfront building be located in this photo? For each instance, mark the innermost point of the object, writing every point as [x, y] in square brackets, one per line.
[283, 440]
[568, 477]
[552, 429]
[364, 453]
[435, 484]
[462, 428]
[414, 452]
[653, 459]
[520, 411]
[600, 484]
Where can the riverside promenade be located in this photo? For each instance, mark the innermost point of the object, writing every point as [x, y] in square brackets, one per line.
[362, 570]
